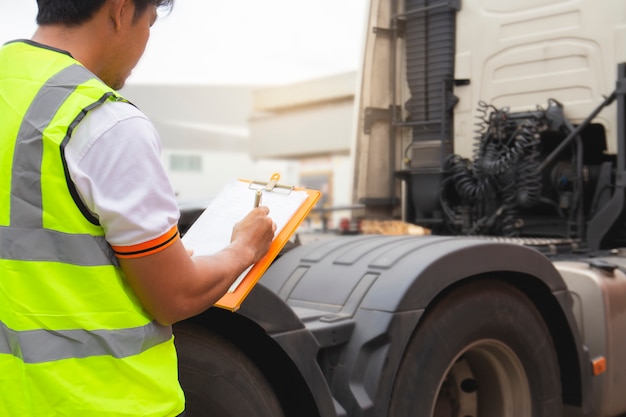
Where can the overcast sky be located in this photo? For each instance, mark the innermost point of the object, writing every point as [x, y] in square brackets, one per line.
[236, 42]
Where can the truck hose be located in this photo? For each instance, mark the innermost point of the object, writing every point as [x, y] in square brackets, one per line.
[504, 175]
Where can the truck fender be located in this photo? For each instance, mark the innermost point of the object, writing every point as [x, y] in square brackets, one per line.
[379, 287]
[271, 313]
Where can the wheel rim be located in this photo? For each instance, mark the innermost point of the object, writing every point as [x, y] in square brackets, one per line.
[486, 379]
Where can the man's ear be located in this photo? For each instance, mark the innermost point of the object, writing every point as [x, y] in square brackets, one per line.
[118, 9]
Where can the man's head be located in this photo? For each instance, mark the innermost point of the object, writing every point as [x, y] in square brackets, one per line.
[75, 12]
[107, 36]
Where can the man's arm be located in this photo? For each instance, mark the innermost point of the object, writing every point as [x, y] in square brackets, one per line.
[112, 152]
[173, 286]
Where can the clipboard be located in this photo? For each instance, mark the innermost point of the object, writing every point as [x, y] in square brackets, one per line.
[211, 232]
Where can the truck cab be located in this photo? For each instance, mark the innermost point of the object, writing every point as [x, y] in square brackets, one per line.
[501, 127]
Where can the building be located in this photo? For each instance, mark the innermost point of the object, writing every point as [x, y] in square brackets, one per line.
[310, 122]
[205, 136]
[212, 134]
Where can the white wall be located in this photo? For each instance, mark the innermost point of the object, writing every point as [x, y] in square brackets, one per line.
[220, 167]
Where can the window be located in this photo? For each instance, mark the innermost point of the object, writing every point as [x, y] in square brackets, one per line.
[186, 163]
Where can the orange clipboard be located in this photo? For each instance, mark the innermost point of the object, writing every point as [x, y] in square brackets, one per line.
[288, 205]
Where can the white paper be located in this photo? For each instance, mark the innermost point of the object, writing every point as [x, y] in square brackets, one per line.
[212, 231]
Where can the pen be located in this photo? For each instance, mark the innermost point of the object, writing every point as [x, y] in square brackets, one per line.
[257, 198]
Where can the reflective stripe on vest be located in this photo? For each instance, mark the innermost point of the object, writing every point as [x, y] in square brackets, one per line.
[18, 244]
[26, 207]
[36, 346]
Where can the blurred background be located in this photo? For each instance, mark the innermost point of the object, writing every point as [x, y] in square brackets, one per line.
[245, 89]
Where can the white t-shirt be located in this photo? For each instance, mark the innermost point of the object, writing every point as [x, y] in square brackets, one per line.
[114, 160]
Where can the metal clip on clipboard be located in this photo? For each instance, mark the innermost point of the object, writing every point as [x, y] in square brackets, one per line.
[272, 185]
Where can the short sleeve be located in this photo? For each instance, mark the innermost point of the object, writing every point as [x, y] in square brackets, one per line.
[114, 160]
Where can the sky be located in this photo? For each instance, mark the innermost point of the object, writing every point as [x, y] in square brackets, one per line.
[243, 42]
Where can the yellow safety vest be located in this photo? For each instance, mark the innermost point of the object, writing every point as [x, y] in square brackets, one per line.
[74, 339]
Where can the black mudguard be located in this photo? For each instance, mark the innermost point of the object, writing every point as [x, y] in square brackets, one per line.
[362, 297]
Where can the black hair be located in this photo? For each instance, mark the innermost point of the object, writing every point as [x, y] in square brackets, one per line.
[75, 12]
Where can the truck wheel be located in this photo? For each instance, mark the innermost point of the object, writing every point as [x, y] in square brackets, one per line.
[483, 351]
[219, 379]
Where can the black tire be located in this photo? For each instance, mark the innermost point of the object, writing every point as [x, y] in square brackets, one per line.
[482, 351]
[218, 379]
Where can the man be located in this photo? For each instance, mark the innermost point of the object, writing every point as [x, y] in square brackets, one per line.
[92, 269]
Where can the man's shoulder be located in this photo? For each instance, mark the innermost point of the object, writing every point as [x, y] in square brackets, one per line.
[112, 124]
[119, 110]
[116, 116]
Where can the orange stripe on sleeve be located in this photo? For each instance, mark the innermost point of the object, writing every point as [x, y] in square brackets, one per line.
[148, 248]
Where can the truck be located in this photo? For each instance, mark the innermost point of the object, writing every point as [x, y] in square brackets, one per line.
[500, 127]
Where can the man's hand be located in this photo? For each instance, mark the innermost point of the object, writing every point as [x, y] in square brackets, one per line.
[255, 231]
[173, 286]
